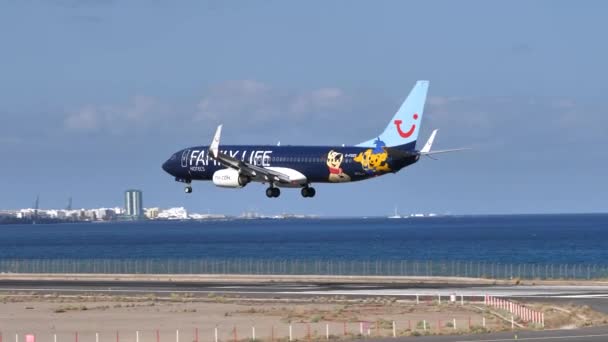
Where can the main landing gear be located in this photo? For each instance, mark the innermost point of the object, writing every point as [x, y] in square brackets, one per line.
[188, 189]
[273, 192]
[308, 191]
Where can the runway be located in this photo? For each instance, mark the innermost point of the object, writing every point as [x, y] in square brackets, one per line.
[312, 288]
[299, 289]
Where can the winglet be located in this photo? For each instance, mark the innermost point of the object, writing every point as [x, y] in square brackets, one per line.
[215, 144]
[429, 143]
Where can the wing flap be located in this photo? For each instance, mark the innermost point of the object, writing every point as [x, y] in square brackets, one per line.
[256, 172]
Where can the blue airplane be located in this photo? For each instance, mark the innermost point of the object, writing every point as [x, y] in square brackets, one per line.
[300, 166]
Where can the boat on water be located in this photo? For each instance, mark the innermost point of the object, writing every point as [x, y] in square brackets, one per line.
[396, 215]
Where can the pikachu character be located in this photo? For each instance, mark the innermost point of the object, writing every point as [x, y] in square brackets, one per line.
[334, 161]
[378, 162]
[375, 160]
[363, 159]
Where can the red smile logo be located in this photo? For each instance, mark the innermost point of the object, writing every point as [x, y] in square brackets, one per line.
[411, 130]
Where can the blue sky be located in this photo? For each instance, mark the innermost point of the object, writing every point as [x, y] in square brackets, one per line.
[95, 95]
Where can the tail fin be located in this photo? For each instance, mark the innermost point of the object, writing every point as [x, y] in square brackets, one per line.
[404, 127]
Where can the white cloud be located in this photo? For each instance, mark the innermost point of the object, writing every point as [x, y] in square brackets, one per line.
[142, 111]
[318, 100]
[257, 105]
[517, 121]
[246, 99]
[85, 119]
[256, 102]
[239, 102]
[459, 112]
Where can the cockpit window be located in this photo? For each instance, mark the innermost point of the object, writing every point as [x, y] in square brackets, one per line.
[173, 157]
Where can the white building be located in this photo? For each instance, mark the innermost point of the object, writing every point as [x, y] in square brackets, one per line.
[134, 206]
[173, 214]
[152, 213]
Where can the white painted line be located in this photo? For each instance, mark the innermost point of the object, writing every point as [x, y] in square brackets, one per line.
[583, 296]
[128, 290]
[512, 294]
[306, 288]
[541, 338]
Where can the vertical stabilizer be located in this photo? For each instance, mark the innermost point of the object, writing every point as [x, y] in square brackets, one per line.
[404, 126]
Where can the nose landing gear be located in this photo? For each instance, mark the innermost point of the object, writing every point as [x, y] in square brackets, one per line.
[188, 182]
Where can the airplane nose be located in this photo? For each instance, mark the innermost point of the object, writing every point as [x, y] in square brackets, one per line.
[166, 166]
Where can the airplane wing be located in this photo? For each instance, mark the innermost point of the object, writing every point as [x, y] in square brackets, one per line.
[256, 172]
[426, 150]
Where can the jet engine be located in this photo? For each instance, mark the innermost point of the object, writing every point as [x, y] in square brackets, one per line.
[229, 178]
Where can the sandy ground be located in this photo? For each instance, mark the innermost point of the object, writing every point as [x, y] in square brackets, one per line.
[116, 317]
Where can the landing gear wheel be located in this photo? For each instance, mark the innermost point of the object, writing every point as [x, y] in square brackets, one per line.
[188, 189]
[276, 192]
[308, 192]
[311, 192]
[273, 192]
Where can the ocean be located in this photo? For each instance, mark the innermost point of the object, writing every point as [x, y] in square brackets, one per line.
[571, 239]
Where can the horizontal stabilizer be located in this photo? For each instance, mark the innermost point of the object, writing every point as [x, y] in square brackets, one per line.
[426, 150]
[444, 151]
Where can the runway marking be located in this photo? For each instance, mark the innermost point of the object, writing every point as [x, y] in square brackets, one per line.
[545, 338]
[127, 290]
[268, 287]
[410, 293]
[582, 296]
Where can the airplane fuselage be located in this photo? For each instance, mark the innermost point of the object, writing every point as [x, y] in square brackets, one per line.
[319, 164]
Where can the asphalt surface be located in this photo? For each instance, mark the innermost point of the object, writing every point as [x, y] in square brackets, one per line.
[595, 296]
[599, 334]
